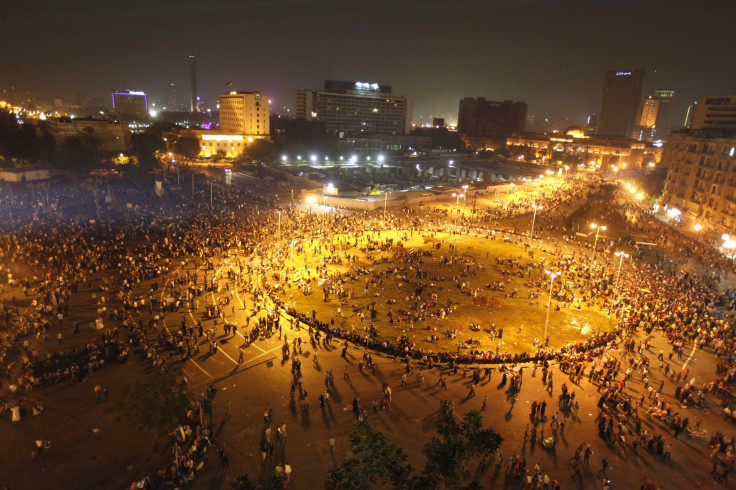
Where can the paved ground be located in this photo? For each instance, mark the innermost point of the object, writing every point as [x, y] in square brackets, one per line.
[119, 454]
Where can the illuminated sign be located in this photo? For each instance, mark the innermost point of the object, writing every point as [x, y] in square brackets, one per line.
[623, 73]
[366, 86]
[222, 137]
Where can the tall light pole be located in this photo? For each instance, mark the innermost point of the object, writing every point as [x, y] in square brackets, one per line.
[457, 208]
[597, 230]
[552, 276]
[698, 227]
[465, 193]
[311, 200]
[279, 225]
[621, 255]
[534, 218]
[385, 202]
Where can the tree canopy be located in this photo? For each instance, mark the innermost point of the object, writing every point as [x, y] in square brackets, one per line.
[371, 460]
[456, 444]
[157, 402]
[187, 146]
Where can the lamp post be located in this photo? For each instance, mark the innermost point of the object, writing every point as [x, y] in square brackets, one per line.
[457, 208]
[552, 276]
[698, 228]
[621, 255]
[534, 218]
[311, 200]
[597, 230]
[279, 225]
[465, 193]
[385, 202]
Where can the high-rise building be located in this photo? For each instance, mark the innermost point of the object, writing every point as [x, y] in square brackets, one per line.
[620, 103]
[481, 118]
[245, 113]
[130, 103]
[355, 107]
[653, 121]
[715, 113]
[193, 97]
[173, 97]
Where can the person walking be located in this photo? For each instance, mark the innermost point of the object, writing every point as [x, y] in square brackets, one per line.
[485, 403]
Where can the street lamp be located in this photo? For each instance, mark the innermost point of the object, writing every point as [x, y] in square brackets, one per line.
[597, 230]
[552, 276]
[698, 227]
[534, 218]
[457, 208]
[622, 255]
[465, 193]
[311, 200]
[385, 202]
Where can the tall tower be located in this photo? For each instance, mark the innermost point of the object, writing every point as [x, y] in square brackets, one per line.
[620, 104]
[193, 99]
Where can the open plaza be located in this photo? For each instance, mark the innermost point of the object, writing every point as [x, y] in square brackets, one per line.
[189, 339]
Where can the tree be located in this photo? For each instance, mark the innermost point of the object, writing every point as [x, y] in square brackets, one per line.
[187, 146]
[158, 402]
[458, 443]
[145, 146]
[261, 150]
[371, 461]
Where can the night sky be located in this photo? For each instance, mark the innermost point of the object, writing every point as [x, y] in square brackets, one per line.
[553, 54]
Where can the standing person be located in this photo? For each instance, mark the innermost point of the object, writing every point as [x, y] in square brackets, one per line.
[588, 452]
[604, 466]
[485, 403]
[332, 444]
[287, 472]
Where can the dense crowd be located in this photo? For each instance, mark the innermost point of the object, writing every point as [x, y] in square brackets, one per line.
[123, 260]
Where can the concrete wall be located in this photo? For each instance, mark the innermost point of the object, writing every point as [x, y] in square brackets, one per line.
[23, 176]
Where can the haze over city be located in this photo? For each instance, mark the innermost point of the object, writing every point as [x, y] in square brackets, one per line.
[421, 244]
[553, 55]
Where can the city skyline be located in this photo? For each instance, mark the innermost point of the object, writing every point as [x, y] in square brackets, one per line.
[553, 57]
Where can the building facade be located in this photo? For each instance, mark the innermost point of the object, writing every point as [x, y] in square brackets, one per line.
[104, 136]
[245, 113]
[620, 103]
[701, 179]
[653, 120]
[355, 107]
[715, 113]
[480, 119]
[574, 147]
[130, 103]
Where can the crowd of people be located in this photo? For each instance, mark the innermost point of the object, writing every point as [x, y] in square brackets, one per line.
[51, 256]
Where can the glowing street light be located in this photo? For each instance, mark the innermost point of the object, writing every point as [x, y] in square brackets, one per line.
[465, 193]
[597, 230]
[311, 200]
[457, 208]
[534, 218]
[622, 255]
[552, 276]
